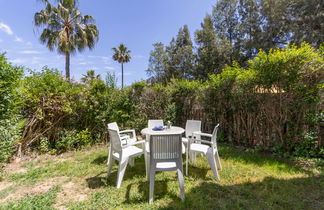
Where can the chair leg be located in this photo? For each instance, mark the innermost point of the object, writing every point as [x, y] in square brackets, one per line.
[131, 161]
[193, 157]
[181, 184]
[212, 163]
[121, 171]
[152, 180]
[187, 158]
[111, 162]
[146, 158]
[219, 165]
[109, 155]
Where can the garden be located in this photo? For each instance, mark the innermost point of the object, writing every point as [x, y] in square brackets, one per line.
[54, 140]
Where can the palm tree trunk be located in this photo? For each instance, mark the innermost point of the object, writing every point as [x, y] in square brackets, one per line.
[122, 74]
[67, 65]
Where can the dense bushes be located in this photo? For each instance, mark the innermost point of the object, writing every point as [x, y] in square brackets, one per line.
[272, 105]
[9, 120]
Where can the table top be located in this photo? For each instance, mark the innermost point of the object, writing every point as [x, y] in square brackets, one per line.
[170, 131]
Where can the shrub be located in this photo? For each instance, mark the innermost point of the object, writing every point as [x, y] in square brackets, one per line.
[70, 140]
[47, 102]
[10, 133]
[9, 80]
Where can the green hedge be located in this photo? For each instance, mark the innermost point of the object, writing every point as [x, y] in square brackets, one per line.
[273, 104]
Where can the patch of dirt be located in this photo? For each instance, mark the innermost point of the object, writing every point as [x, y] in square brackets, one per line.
[4, 185]
[15, 167]
[38, 188]
[71, 192]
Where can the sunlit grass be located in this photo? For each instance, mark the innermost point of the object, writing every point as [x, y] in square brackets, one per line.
[248, 181]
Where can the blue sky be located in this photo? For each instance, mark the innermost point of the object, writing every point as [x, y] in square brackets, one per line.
[136, 23]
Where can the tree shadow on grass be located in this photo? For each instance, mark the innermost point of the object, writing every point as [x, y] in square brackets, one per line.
[101, 180]
[100, 160]
[258, 159]
[271, 193]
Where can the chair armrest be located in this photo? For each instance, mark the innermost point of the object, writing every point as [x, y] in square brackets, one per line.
[129, 131]
[202, 134]
[136, 142]
[125, 137]
[202, 141]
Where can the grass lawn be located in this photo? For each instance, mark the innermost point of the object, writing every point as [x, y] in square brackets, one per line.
[77, 180]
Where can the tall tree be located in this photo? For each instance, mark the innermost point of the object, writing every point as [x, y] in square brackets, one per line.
[307, 23]
[209, 57]
[122, 55]
[157, 63]
[275, 30]
[250, 27]
[180, 60]
[66, 29]
[226, 21]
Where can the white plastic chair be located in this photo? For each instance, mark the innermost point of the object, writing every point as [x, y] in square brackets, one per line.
[150, 124]
[122, 153]
[191, 126]
[165, 155]
[208, 148]
[125, 138]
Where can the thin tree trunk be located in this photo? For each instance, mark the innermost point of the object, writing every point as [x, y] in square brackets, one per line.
[122, 75]
[67, 65]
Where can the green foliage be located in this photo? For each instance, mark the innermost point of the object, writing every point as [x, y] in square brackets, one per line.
[10, 133]
[210, 57]
[47, 100]
[308, 147]
[70, 140]
[9, 80]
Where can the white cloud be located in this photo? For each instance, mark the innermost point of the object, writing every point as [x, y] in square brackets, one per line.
[1, 40]
[109, 68]
[30, 52]
[5, 28]
[104, 59]
[18, 61]
[83, 63]
[18, 39]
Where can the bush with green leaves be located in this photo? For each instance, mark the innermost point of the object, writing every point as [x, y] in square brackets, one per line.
[71, 140]
[9, 80]
[47, 103]
[10, 134]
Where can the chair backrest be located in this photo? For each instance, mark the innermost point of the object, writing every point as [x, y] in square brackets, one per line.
[113, 126]
[165, 147]
[191, 126]
[214, 135]
[153, 123]
[115, 140]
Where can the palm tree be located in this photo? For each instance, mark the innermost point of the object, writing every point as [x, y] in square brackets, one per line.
[90, 76]
[122, 55]
[65, 29]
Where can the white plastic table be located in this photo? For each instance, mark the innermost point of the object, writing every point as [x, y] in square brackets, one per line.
[172, 130]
